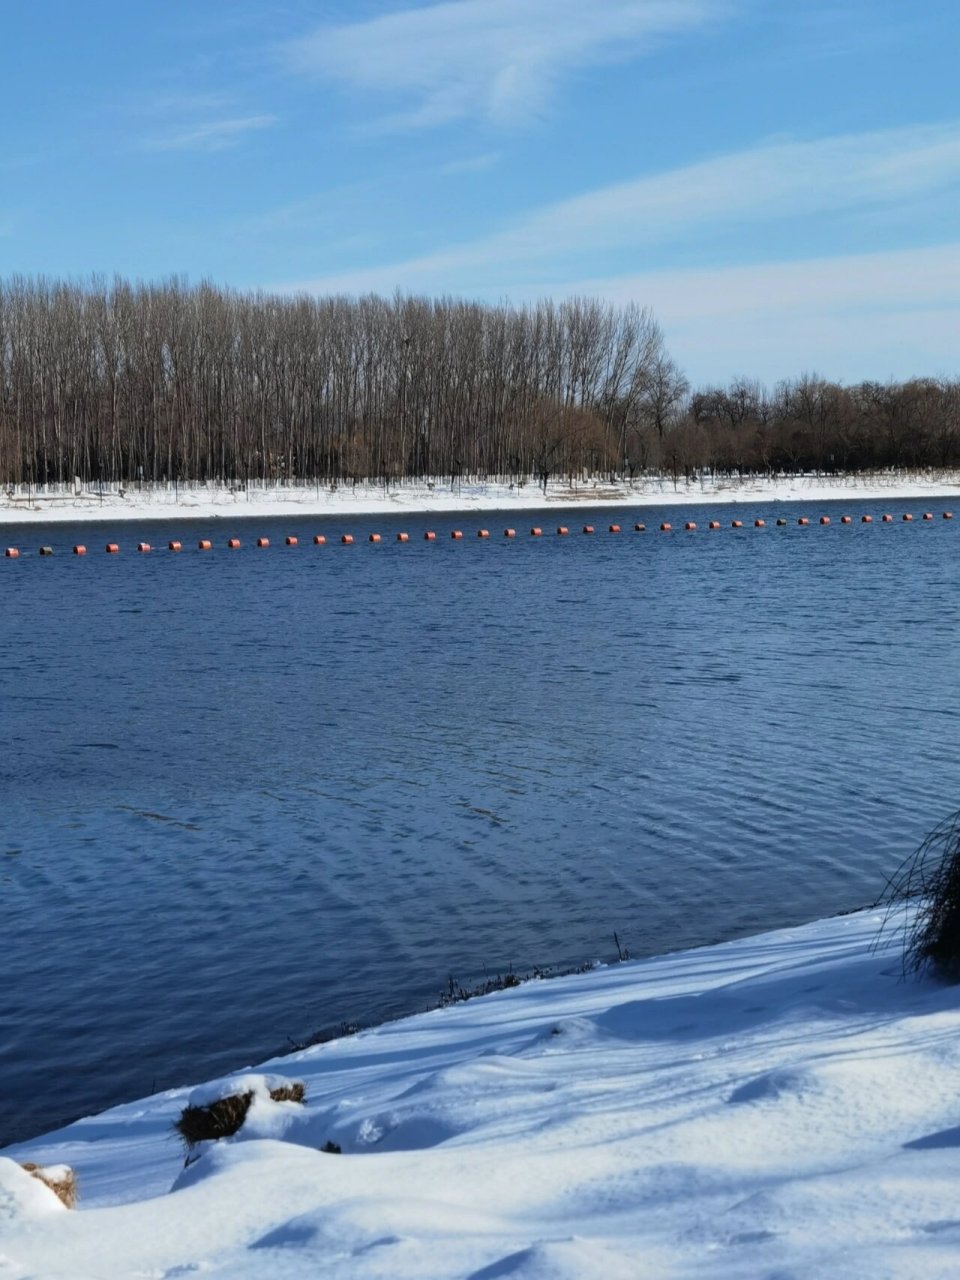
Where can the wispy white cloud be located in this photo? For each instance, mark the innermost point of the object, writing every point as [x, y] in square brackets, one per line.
[840, 29]
[847, 285]
[209, 135]
[856, 316]
[327, 216]
[773, 180]
[499, 59]
[184, 104]
[850, 317]
[308, 215]
[741, 191]
[472, 164]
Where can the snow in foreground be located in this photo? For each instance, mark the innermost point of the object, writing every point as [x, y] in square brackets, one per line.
[780, 1106]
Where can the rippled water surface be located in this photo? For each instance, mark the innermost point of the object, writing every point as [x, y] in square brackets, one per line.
[248, 795]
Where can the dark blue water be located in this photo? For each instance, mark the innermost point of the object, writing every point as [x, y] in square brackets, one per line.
[249, 795]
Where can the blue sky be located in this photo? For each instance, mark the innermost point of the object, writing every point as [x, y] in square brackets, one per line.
[779, 181]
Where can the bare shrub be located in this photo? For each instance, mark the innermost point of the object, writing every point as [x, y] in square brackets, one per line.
[224, 1118]
[930, 878]
[61, 1180]
[292, 1092]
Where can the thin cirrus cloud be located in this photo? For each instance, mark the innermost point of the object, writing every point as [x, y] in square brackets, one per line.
[498, 59]
[472, 164]
[854, 316]
[739, 192]
[210, 135]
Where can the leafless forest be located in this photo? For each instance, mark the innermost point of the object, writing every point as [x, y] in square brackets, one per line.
[119, 383]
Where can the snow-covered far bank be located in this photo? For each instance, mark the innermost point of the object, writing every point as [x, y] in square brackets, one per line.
[201, 501]
[783, 1105]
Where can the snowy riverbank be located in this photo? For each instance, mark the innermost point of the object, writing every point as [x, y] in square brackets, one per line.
[779, 1105]
[208, 501]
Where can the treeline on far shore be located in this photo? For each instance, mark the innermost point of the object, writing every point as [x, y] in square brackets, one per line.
[120, 383]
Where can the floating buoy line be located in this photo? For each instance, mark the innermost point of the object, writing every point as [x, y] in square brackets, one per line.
[456, 535]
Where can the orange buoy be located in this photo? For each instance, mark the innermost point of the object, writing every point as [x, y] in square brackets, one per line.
[736, 524]
[143, 546]
[781, 520]
[824, 519]
[80, 550]
[456, 534]
[319, 540]
[483, 533]
[346, 539]
[374, 537]
[204, 545]
[907, 515]
[509, 533]
[588, 528]
[640, 528]
[46, 551]
[614, 528]
[13, 553]
[759, 524]
[665, 527]
[429, 536]
[803, 520]
[535, 532]
[403, 537]
[948, 515]
[866, 519]
[928, 515]
[112, 549]
[291, 541]
[263, 542]
[171, 546]
[886, 519]
[233, 544]
[690, 525]
[846, 520]
[714, 524]
[562, 529]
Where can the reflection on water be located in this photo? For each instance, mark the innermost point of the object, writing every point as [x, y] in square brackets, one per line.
[248, 795]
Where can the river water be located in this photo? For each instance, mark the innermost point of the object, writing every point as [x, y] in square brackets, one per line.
[249, 795]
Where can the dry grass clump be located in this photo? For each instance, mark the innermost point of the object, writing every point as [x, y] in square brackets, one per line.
[931, 877]
[457, 994]
[61, 1180]
[223, 1118]
[292, 1092]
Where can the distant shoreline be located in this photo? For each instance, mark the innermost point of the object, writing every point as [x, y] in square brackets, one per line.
[198, 501]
